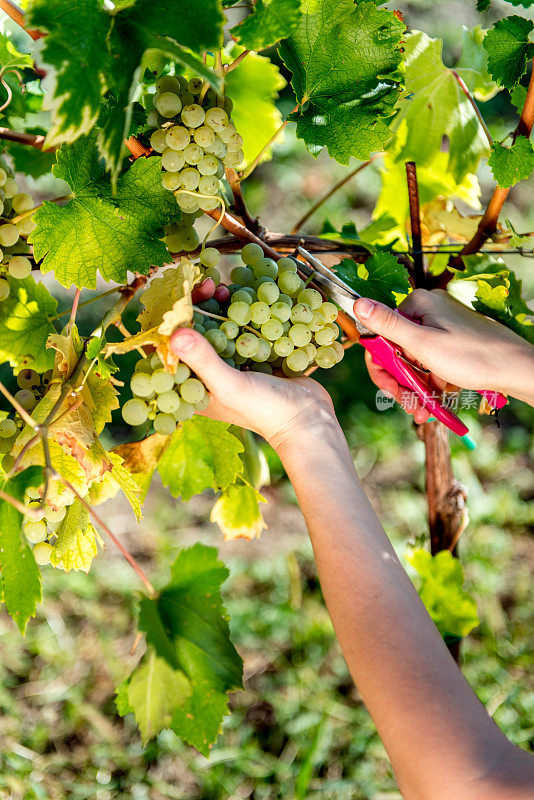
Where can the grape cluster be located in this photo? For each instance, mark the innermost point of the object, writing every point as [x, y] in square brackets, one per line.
[13, 247]
[196, 140]
[265, 319]
[41, 533]
[32, 388]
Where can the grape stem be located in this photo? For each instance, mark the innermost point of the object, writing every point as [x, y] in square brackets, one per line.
[253, 164]
[28, 512]
[239, 202]
[22, 411]
[236, 62]
[86, 303]
[74, 309]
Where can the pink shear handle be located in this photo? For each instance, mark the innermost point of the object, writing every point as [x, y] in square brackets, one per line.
[494, 399]
[388, 356]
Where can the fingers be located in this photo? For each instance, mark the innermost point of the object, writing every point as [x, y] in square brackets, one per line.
[382, 320]
[387, 383]
[195, 351]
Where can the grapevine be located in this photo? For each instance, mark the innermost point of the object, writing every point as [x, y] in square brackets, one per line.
[155, 144]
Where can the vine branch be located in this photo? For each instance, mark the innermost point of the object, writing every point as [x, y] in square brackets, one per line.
[461, 83]
[17, 15]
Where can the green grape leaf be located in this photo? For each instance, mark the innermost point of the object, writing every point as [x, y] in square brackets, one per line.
[187, 627]
[438, 108]
[25, 325]
[77, 540]
[386, 276]
[30, 160]
[510, 165]
[483, 5]
[202, 454]
[254, 83]
[237, 513]
[154, 693]
[11, 58]
[97, 231]
[509, 49]
[345, 62]
[441, 583]
[472, 66]
[75, 47]
[21, 577]
[271, 21]
[518, 96]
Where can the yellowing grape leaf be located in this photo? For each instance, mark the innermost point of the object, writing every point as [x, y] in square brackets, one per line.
[112, 482]
[77, 540]
[163, 291]
[98, 230]
[254, 83]
[141, 458]
[441, 220]
[345, 60]
[237, 513]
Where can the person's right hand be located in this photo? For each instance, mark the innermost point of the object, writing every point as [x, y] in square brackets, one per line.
[459, 346]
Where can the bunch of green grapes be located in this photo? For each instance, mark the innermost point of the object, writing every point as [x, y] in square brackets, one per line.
[41, 532]
[13, 231]
[266, 319]
[197, 141]
[32, 388]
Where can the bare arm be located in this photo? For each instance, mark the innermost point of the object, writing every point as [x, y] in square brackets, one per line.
[441, 742]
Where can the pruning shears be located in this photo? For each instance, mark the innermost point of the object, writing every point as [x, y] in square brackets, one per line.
[387, 354]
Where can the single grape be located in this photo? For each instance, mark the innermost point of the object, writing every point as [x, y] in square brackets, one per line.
[235, 144]
[164, 424]
[155, 361]
[192, 390]
[162, 381]
[251, 253]
[265, 267]
[217, 339]
[230, 329]
[168, 104]
[285, 298]
[290, 283]
[186, 201]
[247, 345]
[10, 188]
[41, 553]
[19, 267]
[143, 365]
[298, 360]
[317, 322]
[300, 335]
[228, 105]
[260, 313]
[272, 329]
[208, 165]
[54, 514]
[35, 531]
[141, 384]
[243, 276]
[283, 346]
[190, 178]
[217, 119]
[286, 326]
[6, 445]
[168, 402]
[193, 115]
[22, 202]
[28, 379]
[339, 350]
[182, 373]
[286, 264]
[233, 159]
[217, 148]
[134, 412]
[325, 357]
[3, 176]
[184, 411]
[239, 312]
[202, 404]
[171, 181]
[176, 137]
[168, 83]
[209, 184]
[193, 153]
[9, 234]
[208, 203]
[229, 350]
[26, 226]
[311, 297]
[280, 311]
[186, 97]
[158, 141]
[268, 293]
[329, 311]
[301, 313]
[210, 324]
[8, 428]
[264, 350]
[326, 336]
[8, 462]
[211, 306]
[27, 399]
[195, 85]
[33, 493]
[311, 350]
[172, 160]
[210, 257]
[182, 80]
[204, 136]
[227, 133]
[214, 274]
[153, 118]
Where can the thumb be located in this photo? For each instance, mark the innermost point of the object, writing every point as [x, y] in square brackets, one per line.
[195, 351]
[388, 323]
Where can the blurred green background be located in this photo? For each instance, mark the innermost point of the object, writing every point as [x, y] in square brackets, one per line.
[300, 729]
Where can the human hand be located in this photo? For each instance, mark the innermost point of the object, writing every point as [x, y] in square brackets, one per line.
[459, 346]
[276, 408]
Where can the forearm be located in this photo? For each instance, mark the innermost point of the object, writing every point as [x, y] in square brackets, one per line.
[436, 732]
[520, 383]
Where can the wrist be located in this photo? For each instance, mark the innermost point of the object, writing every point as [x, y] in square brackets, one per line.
[306, 437]
[518, 377]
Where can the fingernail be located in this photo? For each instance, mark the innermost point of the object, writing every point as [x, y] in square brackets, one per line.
[364, 307]
[183, 340]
